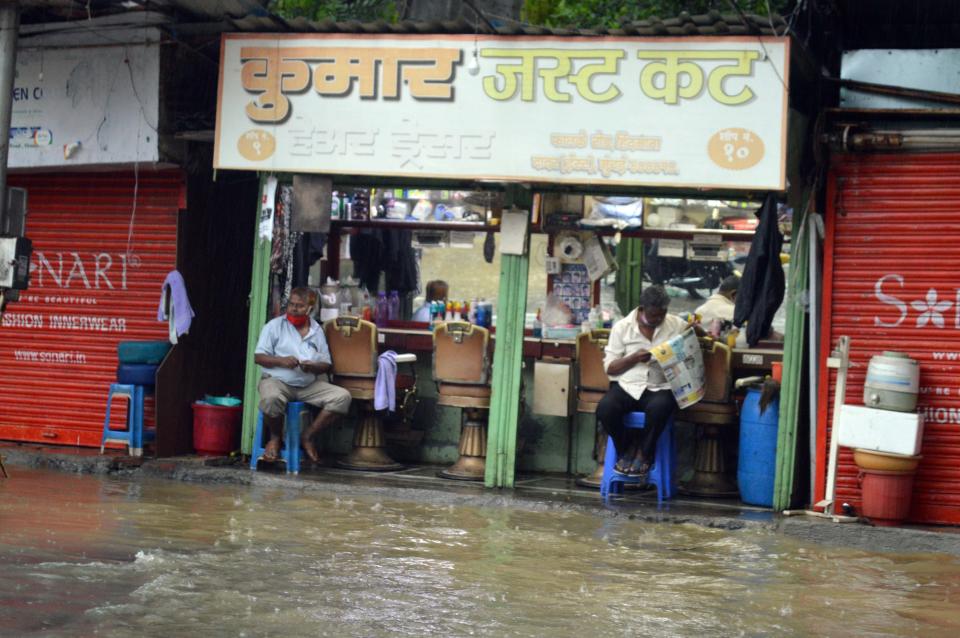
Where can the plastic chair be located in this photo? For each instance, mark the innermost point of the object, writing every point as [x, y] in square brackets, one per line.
[135, 435]
[290, 446]
[661, 472]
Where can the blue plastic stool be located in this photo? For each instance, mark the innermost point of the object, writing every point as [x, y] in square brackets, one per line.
[290, 449]
[661, 472]
[135, 435]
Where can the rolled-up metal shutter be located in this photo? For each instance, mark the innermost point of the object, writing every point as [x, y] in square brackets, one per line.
[892, 282]
[100, 255]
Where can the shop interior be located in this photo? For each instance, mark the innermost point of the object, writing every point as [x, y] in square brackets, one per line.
[388, 247]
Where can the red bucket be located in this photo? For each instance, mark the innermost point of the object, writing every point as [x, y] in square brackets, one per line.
[216, 428]
[887, 495]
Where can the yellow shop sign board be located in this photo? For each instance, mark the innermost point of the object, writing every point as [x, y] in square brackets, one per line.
[670, 112]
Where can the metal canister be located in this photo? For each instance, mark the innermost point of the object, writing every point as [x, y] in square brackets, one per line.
[893, 380]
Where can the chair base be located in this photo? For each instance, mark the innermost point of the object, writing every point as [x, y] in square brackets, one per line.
[594, 480]
[472, 464]
[369, 452]
[709, 475]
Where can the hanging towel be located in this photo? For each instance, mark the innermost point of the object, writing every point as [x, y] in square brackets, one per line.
[181, 313]
[385, 387]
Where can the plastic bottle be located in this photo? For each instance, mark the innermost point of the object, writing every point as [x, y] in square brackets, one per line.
[592, 319]
[487, 314]
[393, 306]
[382, 311]
[448, 315]
[472, 311]
[537, 326]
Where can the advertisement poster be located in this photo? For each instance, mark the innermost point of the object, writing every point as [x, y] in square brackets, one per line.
[85, 105]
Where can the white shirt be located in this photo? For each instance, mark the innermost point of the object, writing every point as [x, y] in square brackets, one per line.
[716, 307]
[279, 338]
[626, 338]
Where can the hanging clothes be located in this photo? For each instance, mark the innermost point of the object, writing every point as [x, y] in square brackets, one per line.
[175, 306]
[763, 282]
[389, 252]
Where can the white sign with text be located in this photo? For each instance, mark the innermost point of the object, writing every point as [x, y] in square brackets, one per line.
[684, 112]
[85, 105]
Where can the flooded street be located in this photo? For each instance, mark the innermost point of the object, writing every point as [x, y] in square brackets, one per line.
[90, 555]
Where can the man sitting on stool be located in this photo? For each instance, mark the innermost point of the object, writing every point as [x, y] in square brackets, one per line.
[636, 383]
[292, 352]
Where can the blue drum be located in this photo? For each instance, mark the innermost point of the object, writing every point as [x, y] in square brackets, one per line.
[757, 464]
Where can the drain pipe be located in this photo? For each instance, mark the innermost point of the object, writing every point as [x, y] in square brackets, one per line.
[9, 27]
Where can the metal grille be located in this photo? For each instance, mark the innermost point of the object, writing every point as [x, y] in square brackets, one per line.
[97, 268]
[892, 282]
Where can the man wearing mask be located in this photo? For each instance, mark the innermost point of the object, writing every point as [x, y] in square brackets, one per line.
[637, 383]
[294, 357]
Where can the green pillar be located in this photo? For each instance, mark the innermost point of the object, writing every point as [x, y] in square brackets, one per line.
[629, 279]
[259, 289]
[507, 371]
[793, 354]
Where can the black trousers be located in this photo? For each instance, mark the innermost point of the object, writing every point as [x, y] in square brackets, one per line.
[616, 403]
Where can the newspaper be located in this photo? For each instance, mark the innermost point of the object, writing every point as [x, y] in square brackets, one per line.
[681, 360]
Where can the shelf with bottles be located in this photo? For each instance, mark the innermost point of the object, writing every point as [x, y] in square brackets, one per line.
[477, 311]
[375, 206]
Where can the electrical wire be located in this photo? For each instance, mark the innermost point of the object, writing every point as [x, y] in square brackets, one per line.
[766, 54]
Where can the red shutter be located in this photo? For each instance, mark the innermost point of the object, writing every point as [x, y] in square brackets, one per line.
[892, 282]
[88, 292]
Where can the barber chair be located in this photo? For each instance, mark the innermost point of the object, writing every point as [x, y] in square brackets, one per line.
[353, 348]
[712, 415]
[592, 384]
[461, 365]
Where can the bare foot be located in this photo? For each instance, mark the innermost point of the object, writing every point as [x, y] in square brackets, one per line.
[271, 452]
[309, 448]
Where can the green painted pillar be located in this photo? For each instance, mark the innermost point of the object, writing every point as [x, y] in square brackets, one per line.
[259, 289]
[793, 354]
[507, 371]
[629, 279]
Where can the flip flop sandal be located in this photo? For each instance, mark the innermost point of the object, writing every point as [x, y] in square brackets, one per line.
[639, 469]
[270, 457]
[622, 466]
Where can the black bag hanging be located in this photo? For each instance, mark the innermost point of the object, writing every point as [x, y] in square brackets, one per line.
[489, 248]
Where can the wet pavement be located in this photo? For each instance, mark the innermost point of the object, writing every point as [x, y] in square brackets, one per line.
[131, 554]
[537, 492]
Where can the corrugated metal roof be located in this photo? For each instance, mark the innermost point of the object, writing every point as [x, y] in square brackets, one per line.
[709, 24]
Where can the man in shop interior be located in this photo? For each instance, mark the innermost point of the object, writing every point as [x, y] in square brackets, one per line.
[720, 305]
[638, 384]
[437, 290]
[295, 359]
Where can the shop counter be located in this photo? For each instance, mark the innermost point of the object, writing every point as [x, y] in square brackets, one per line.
[749, 362]
[421, 340]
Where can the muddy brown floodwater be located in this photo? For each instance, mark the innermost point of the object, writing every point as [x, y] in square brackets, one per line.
[90, 555]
